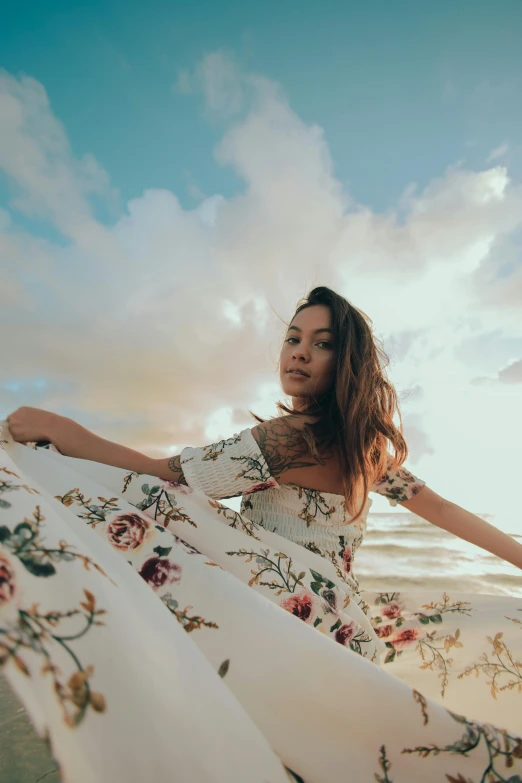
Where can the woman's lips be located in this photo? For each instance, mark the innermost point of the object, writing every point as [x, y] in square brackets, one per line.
[297, 375]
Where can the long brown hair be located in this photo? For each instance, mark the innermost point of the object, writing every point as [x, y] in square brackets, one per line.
[356, 413]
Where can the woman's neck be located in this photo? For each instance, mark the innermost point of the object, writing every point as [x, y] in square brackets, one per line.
[299, 403]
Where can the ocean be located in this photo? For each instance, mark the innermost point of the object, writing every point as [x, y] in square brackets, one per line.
[402, 551]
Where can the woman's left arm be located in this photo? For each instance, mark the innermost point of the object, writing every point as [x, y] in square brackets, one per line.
[448, 516]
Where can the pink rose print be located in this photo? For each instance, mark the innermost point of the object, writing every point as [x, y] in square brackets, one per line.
[405, 638]
[383, 630]
[172, 485]
[160, 571]
[7, 580]
[299, 604]
[391, 611]
[345, 633]
[260, 487]
[347, 559]
[127, 531]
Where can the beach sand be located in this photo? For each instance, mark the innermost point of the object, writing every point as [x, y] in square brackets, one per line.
[24, 757]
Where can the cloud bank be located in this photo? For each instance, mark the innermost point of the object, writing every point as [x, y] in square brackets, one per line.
[163, 324]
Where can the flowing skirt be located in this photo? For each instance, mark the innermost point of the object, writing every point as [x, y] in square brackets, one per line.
[153, 633]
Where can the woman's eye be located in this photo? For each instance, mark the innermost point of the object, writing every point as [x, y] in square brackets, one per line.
[323, 342]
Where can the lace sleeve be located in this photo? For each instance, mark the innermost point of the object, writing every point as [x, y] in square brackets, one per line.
[228, 468]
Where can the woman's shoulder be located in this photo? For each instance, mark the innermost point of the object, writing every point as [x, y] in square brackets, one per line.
[285, 423]
[287, 453]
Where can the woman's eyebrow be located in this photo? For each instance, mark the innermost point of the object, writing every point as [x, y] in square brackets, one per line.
[316, 331]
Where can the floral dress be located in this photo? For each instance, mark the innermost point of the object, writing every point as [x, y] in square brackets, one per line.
[152, 632]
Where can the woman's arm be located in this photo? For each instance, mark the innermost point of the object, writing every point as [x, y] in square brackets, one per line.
[279, 441]
[448, 516]
[276, 447]
[73, 440]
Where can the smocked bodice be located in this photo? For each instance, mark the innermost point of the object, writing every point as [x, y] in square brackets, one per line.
[316, 520]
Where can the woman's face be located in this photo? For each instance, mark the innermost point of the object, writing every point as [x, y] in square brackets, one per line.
[308, 347]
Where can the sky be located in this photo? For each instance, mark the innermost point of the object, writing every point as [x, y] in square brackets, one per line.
[174, 178]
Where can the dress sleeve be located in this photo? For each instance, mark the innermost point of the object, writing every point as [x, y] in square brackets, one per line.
[398, 485]
[228, 468]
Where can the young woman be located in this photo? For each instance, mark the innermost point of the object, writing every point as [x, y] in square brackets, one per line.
[304, 478]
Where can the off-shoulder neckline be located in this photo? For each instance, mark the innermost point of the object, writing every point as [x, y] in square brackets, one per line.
[328, 494]
[310, 489]
[290, 483]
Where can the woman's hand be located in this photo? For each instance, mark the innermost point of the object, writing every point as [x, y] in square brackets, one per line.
[31, 424]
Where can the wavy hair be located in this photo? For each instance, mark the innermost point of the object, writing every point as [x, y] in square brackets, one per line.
[356, 414]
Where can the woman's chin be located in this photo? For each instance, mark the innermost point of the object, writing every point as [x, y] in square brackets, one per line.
[292, 387]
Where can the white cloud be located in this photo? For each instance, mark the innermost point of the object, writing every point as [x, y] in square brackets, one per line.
[36, 156]
[172, 316]
[498, 152]
[220, 80]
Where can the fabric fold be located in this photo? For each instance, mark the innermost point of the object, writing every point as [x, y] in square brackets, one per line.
[210, 664]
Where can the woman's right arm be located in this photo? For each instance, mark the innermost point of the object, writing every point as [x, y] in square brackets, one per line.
[253, 460]
[73, 440]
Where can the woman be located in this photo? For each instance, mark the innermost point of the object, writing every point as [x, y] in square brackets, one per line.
[329, 711]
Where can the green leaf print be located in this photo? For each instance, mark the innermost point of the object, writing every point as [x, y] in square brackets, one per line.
[24, 526]
[25, 544]
[295, 777]
[5, 533]
[223, 669]
[322, 579]
[162, 551]
[36, 567]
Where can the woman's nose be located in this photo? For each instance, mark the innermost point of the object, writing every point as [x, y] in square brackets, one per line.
[300, 352]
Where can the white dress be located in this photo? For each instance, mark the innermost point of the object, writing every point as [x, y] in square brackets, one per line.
[287, 670]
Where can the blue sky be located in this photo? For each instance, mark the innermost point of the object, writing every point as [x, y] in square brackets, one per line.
[174, 178]
[401, 89]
